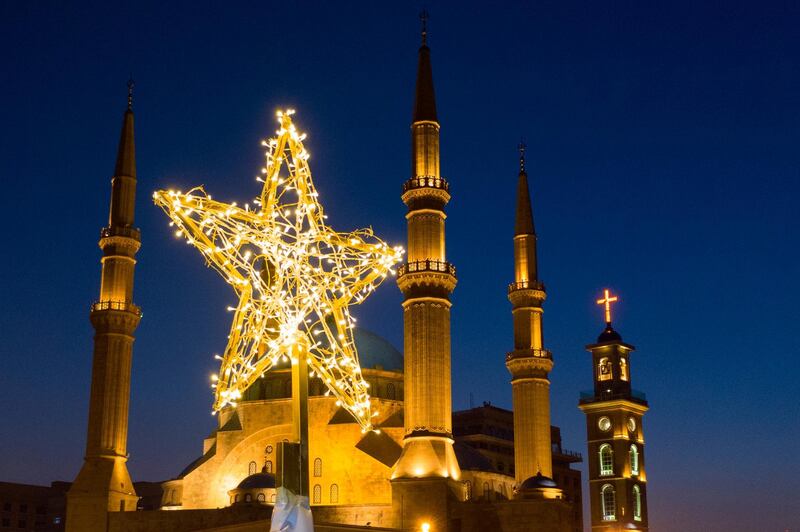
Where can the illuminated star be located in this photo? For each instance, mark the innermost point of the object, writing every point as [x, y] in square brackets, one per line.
[295, 276]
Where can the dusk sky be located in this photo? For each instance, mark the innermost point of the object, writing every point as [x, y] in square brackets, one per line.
[663, 160]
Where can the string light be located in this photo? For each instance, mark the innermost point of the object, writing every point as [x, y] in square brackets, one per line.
[295, 276]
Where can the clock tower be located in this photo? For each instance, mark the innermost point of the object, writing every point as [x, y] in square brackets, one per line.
[615, 434]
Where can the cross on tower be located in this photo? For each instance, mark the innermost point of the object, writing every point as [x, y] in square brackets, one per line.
[607, 300]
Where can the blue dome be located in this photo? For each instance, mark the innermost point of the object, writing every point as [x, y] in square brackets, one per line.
[376, 351]
[261, 480]
[539, 481]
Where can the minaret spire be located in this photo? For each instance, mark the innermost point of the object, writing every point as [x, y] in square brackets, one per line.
[423, 19]
[524, 230]
[131, 84]
[424, 96]
[428, 461]
[103, 484]
[529, 363]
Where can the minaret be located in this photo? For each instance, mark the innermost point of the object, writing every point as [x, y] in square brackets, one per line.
[426, 280]
[529, 363]
[614, 411]
[104, 484]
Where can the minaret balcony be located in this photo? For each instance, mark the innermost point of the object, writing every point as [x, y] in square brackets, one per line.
[429, 265]
[526, 285]
[121, 306]
[119, 230]
[426, 278]
[529, 353]
[426, 181]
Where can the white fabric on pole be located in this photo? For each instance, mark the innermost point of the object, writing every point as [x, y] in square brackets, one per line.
[291, 513]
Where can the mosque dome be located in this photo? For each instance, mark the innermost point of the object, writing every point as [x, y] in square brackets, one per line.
[537, 482]
[375, 352]
[257, 481]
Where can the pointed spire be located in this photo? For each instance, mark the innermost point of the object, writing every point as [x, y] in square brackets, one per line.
[126, 153]
[524, 221]
[130, 93]
[424, 99]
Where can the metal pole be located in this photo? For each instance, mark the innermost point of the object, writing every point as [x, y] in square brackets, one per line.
[300, 412]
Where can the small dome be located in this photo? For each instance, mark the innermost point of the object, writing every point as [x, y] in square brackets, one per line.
[257, 481]
[374, 350]
[539, 481]
[609, 335]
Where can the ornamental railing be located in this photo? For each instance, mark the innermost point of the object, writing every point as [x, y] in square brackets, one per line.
[116, 305]
[426, 266]
[426, 181]
[526, 353]
[130, 232]
[526, 285]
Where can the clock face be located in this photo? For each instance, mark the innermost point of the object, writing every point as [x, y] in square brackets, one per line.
[604, 424]
[631, 424]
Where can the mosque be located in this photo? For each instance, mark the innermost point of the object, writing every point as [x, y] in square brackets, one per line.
[427, 468]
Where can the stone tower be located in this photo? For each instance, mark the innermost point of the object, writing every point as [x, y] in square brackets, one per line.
[104, 484]
[529, 363]
[614, 411]
[426, 280]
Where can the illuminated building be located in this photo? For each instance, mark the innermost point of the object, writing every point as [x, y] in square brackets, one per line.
[104, 484]
[614, 411]
[386, 459]
[529, 363]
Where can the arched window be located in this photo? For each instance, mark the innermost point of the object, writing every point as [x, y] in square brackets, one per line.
[236, 498]
[390, 392]
[609, 501]
[251, 468]
[604, 372]
[261, 498]
[248, 497]
[606, 460]
[637, 504]
[623, 368]
[318, 467]
[272, 498]
[334, 493]
[317, 494]
[268, 466]
[468, 490]
[486, 491]
[634, 460]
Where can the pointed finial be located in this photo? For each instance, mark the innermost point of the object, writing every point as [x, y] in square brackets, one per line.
[130, 93]
[522, 146]
[423, 18]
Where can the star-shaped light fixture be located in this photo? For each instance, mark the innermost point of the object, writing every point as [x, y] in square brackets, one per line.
[295, 276]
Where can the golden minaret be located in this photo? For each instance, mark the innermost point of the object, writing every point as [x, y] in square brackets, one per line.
[426, 280]
[529, 362]
[104, 484]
